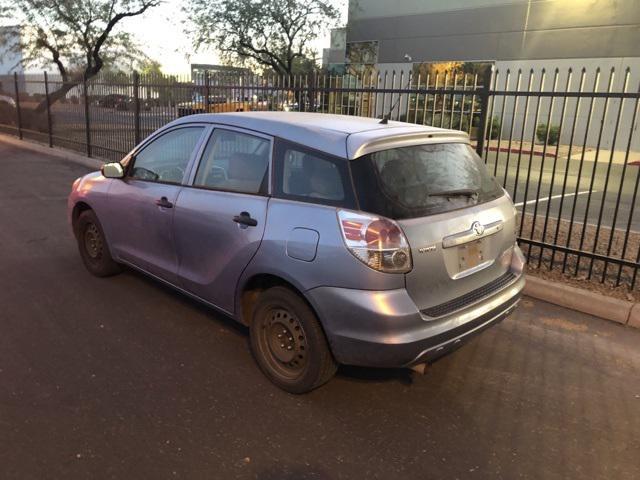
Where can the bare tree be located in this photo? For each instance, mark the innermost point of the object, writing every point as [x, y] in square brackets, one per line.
[77, 36]
[275, 34]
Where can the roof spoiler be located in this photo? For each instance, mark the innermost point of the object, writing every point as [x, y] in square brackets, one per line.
[406, 140]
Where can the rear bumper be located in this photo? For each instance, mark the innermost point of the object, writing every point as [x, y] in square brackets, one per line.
[386, 329]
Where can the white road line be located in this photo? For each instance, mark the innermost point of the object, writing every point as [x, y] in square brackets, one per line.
[545, 199]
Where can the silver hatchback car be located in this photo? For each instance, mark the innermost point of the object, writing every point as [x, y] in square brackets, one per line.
[335, 239]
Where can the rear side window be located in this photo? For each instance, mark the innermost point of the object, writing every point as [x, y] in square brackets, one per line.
[165, 159]
[310, 176]
[234, 161]
[422, 180]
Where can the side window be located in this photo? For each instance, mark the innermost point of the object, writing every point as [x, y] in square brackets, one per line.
[165, 159]
[234, 161]
[311, 176]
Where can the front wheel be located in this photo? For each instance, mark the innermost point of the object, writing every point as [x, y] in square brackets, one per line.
[93, 246]
[288, 342]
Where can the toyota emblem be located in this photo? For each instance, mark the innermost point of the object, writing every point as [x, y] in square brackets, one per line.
[478, 228]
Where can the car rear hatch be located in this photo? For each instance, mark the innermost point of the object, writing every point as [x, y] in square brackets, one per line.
[459, 257]
[459, 223]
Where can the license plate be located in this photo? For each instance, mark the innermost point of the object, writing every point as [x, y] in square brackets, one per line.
[470, 255]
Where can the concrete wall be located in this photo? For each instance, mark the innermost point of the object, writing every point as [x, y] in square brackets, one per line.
[590, 65]
[518, 34]
[434, 30]
[396, 75]
[365, 9]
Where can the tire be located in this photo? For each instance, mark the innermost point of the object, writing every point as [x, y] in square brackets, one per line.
[288, 342]
[93, 247]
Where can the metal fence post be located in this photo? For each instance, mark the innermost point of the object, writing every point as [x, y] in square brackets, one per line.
[207, 91]
[87, 125]
[485, 93]
[46, 92]
[136, 105]
[312, 92]
[18, 112]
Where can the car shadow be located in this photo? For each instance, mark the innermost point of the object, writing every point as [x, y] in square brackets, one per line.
[403, 376]
[371, 374]
[191, 302]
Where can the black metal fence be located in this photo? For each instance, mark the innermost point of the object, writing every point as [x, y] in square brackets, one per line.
[564, 144]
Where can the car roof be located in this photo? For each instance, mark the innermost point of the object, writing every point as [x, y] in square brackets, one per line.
[339, 135]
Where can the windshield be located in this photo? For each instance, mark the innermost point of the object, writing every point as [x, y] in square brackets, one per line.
[422, 180]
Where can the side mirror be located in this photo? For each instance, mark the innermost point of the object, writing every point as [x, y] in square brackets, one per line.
[112, 170]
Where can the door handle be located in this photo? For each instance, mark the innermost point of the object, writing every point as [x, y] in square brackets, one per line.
[245, 219]
[164, 203]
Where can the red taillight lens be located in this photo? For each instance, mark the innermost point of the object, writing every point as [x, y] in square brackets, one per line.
[383, 234]
[377, 242]
[352, 230]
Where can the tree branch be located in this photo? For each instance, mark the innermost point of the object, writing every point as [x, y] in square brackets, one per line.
[98, 62]
[55, 53]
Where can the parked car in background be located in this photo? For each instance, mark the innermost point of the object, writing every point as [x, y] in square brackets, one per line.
[111, 100]
[216, 104]
[7, 110]
[335, 239]
[122, 102]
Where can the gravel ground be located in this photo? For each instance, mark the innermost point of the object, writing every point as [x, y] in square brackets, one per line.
[577, 272]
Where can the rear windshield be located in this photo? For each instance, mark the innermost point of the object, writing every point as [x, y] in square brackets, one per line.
[422, 180]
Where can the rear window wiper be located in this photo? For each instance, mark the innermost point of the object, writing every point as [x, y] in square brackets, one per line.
[461, 192]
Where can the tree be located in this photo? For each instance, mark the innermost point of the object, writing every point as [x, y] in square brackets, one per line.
[78, 36]
[273, 34]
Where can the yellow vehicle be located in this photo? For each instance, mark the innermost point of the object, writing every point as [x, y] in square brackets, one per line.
[216, 104]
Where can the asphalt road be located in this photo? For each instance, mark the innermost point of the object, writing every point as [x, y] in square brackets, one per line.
[549, 177]
[123, 378]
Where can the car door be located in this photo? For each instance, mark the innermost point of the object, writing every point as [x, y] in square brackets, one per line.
[144, 200]
[220, 218]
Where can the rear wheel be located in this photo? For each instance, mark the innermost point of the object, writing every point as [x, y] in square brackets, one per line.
[289, 343]
[93, 246]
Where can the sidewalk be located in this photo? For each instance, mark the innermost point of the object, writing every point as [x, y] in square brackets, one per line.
[590, 153]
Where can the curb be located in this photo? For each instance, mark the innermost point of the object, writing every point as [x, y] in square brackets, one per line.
[67, 155]
[535, 153]
[538, 153]
[613, 309]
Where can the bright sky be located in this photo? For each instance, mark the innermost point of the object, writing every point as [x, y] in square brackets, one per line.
[162, 36]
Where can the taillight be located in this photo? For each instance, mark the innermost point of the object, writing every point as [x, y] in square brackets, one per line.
[376, 241]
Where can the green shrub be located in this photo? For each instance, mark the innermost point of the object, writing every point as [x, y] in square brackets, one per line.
[553, 133]
[494, 128]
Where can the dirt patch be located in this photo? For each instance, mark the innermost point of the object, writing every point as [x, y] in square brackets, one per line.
[621, 292]
[562, 324]
[595, 275]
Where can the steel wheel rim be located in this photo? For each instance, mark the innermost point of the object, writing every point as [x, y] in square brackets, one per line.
[92, 241]
[283, 343]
